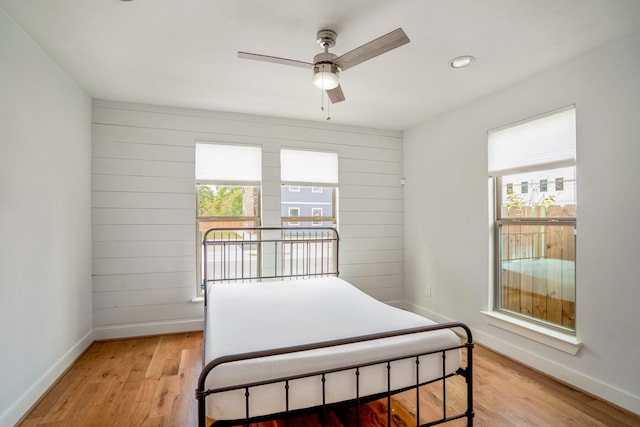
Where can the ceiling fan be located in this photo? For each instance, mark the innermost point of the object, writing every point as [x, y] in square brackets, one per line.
[326, 65]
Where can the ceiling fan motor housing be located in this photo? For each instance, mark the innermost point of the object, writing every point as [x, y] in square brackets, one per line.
[325, 58]
[327, 38]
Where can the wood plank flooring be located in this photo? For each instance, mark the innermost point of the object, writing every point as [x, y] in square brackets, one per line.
[150, 381]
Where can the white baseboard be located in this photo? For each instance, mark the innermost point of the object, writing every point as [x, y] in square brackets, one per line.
[24, 403]
[148, 328]
[561, 373]
[396, 303]
[426, 313]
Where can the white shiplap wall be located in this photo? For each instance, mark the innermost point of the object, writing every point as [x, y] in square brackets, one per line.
[143, 207]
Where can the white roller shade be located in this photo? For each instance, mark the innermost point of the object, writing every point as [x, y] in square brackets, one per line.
[308, 167]
[223, 163]
[541, 143]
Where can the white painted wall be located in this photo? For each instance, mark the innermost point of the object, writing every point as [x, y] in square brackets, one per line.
[45, 229]
[447, 228]
[143, 198]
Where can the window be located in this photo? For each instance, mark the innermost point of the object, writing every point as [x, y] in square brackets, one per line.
[294, 212]
[294, 188]
[533, 167]
[227, 190]
[315, 175]
[316, 212]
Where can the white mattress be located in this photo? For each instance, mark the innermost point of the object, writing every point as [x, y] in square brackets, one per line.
[246, 317]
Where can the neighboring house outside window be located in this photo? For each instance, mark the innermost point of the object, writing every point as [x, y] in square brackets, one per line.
[533, 167]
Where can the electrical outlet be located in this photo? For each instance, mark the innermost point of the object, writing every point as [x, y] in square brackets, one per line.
[428, 291]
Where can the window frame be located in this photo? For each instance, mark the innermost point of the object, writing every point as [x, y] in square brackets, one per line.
[231, 164]
[310, 171]
[530, 146]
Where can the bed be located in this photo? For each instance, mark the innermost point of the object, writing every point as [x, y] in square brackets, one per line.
[284, 335]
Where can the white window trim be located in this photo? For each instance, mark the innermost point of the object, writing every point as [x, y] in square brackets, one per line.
[294, 188]
[552, 338]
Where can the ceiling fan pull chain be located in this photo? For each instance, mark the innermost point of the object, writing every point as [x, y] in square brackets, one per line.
[322, 101]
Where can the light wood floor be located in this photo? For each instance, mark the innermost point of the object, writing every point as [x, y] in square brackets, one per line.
[151, 381]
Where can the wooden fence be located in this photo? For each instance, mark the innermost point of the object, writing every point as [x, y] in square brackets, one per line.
[538, 271]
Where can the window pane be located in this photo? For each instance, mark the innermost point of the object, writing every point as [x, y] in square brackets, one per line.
[548, 193]
[314, 205]
[227, 201]
[537, 272]
[207, 224]
[224, 206]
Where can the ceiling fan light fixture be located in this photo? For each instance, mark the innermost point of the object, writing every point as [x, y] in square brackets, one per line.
[461, 61]
[325, 76]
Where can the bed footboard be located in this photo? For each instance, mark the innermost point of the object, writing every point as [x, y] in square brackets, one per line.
[465, 371]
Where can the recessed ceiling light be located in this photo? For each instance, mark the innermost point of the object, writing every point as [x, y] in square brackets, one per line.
[461, 61]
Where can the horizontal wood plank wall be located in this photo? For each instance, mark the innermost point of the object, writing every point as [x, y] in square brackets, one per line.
[143, 203]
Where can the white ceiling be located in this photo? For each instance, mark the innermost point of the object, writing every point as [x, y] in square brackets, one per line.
[184, 52]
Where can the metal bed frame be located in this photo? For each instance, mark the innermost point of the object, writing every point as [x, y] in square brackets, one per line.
[266, 253]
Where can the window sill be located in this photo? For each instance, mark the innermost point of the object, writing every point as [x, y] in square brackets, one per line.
[198, 299]
[558, 340]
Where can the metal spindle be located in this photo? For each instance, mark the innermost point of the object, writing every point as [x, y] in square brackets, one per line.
[444, 387]
[286, 398]
[324, 401]
[358, 397]
[315, 255]
[243, 243]
[298, 256]
[291, 256]
[206, 263]
[308, 255]
[322, 255]
[388, 394]
[275, 259]
[417, 390]
[246, 403]
[224, 260]
[235, 264]
[250, 263]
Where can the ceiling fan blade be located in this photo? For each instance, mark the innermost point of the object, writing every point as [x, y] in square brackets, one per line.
[274, 59]
[335, 95]
[372, 49]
